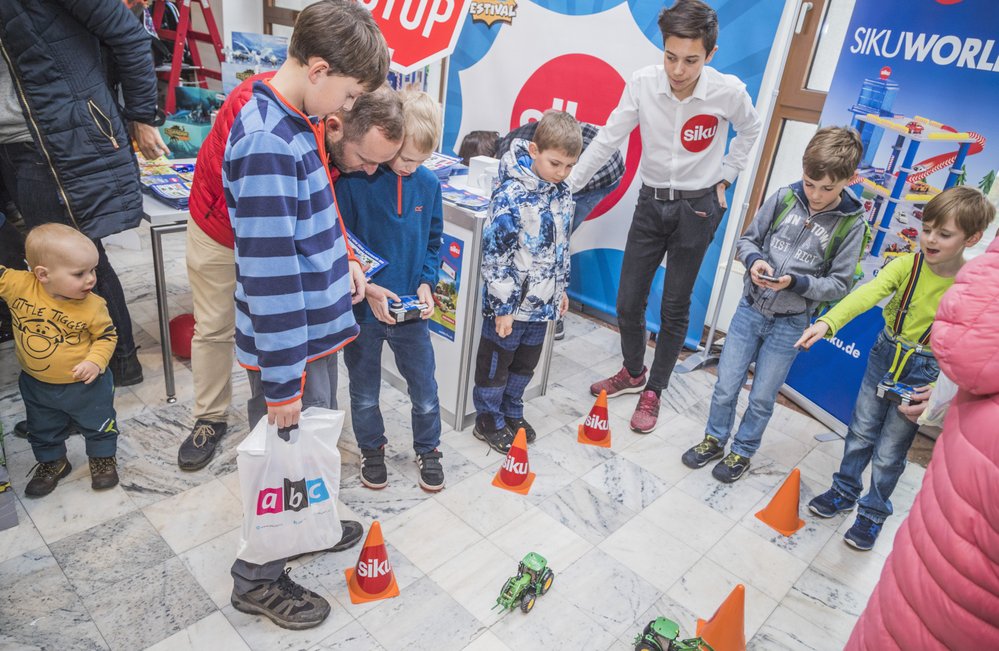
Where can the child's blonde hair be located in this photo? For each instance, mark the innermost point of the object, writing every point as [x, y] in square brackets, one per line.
[971, 210]
[423, 120]
[834, 152]
[559, 130]
[46, 244]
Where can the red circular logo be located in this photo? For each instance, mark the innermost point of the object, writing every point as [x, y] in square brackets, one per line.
[454, 249]
[698, 132]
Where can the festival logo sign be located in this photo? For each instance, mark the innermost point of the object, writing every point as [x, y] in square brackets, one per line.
[491, 12]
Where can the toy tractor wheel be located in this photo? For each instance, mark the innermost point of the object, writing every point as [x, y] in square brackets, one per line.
[644, 646]
[527, 601]
[546, 581]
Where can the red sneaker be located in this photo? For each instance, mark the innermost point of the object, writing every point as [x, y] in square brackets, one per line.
[620, 383]
[646, 413]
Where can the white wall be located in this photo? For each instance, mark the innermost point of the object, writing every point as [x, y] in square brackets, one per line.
[241, 16]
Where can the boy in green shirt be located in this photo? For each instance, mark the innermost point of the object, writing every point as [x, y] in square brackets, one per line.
[954, 220]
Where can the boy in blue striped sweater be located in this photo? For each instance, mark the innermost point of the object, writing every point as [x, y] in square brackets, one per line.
[293, 282]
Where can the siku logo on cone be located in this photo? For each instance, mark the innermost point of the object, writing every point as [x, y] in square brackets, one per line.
[595, 421]
[372, 578]
[595, 430]
[698, 132]
[515, 473]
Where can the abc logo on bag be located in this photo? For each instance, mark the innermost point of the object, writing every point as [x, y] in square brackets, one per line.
[698, 132]
[294, 496]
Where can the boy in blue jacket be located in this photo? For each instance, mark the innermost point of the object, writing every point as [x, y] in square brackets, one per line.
[525, 269]
[397, 212]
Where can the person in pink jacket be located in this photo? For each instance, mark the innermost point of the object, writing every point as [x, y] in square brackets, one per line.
[939, 588]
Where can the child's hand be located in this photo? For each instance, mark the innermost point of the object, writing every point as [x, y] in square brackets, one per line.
[763, 267]
[563, 306]
[812, 333]
[426, 296]
[920, 400]
[504, 326]
[378, 298]
[284, 415]
[358, 282]
[86, 372]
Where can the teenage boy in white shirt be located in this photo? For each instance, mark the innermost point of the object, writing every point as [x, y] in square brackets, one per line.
[683, 109]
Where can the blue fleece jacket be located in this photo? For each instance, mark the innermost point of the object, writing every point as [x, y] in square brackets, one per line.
[292, 278]
[401, 219]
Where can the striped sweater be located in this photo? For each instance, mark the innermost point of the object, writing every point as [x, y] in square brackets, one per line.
[292, 279]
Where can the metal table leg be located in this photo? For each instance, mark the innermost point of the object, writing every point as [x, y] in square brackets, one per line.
[156, 236]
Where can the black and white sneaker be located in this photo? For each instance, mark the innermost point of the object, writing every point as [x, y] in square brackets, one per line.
[285, 603]
[514, 424]
[374, 474]
[559, 330]
[431, 471]
[730, 468]
[498, 439]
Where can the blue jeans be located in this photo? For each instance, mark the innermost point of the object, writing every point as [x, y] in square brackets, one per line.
[503, 369]
[587, 201]
[878, 433]
[414, 357]
[769, 341]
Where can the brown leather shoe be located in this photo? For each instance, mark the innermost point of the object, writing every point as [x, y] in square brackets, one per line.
[103, 473]
[47, 476]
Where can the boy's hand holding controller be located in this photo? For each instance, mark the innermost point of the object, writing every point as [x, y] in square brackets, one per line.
[426, 296]
[358, 282]
[504, 325]
[812, 333]
[86, 372]
[378, 300]
[920, 400]
[761, 273]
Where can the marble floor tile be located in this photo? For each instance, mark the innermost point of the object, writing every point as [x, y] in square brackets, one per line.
[736, 499]
[785, 630]
[488, 641]
[587, 510]
[471, 448]
[212, 632]
[210, 562]
[429, 534]
[680, 431]
[689, 519]
[606, 590]
[785, 450]
[827, 602]
[74, 507]
[562, 447]
[456, 467]
[22, 538]
[756, 562]
[661, 458]
[260, 634]
[102, 556]
[857, 570]
[821, 462]
[352, 637]
[171, 599]
[209, 510]
[563, 405]
[565, 365]
[626, 483]
[550, 476]
[474, 578]
[539, 532]
[398, 497]
[421, 613]
[38, 607]
[553, 623]
[706, 585]
[655, 554]
[481, 505]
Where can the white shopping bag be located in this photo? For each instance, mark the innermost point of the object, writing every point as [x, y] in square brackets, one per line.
[936, 408]
[290, 488]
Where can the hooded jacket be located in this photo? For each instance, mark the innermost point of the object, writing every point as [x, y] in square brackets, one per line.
[53, 51]
[939, 588]
[525, 245]
[797, 247]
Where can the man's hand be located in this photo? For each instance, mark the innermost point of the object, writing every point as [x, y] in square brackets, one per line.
[149, 140]
[563, 305]
[915, 409]
[86, 372]
[720, 190]
[358, 282]
[504, 326]
[426, 296]
[284, 415]
[378, 298]
[812, 334]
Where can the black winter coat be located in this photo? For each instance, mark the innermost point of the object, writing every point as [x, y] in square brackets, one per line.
[54, 51]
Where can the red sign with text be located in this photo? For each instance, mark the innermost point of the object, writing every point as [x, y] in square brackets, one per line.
[418, 32]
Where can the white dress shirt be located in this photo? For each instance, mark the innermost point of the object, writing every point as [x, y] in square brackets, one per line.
[683, 141]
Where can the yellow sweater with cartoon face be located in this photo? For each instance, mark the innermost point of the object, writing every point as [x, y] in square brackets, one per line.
[51, 336]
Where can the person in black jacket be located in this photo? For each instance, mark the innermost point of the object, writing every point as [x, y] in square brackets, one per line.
[65, 153]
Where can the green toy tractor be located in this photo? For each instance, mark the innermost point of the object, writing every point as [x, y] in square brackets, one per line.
[533, 579]
[661, 635]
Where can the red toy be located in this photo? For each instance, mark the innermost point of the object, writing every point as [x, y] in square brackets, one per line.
[921, 187]
[910, 233]
[181, 333]
[914, 127]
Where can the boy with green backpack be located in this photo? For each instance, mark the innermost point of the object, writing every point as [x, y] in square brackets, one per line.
[800, 252]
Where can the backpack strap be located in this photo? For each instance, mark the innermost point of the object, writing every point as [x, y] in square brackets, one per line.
[787, 203]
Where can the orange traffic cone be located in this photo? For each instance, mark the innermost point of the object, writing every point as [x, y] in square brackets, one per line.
[782, 511]
[726, 630]
[595, 430]
[515, 473]
[372, 579]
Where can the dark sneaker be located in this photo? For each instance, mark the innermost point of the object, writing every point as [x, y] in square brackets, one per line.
[374, 474]
[126, 369]
[498, 439]
[730, 468]
[286, 603]
[21, 429]
[431, 471]
[199, 446]
[514, 424]
[863, 534]
[829, 504]
[103, 473]
[352, 532]
[620, 383]
[646, 413]
[703, 453]
[47, 476]
[559, 330]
